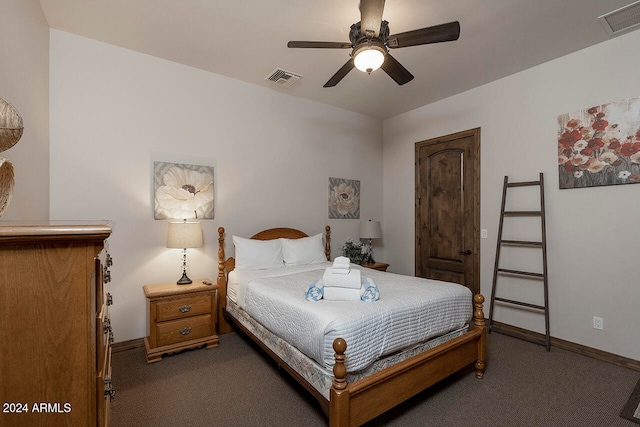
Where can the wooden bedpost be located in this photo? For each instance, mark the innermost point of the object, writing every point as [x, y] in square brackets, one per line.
[223, 326]
[327, 244]
[478, 321]
[339, 395]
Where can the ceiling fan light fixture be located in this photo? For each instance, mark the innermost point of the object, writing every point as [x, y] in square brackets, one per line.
[369, 57]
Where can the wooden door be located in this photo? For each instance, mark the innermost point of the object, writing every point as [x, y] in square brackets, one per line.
[448, 208]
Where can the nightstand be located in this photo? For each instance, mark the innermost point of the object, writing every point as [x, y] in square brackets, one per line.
[381, 266]
[181, 317]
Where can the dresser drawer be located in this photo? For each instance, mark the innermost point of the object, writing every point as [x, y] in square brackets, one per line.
[183, 307]
[176, 331]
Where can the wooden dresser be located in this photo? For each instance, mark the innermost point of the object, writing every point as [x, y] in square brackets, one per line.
[55, 330]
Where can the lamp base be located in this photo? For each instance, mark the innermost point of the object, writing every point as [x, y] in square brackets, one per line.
[184, 280]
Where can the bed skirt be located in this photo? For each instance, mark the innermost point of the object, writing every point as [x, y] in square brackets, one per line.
[318, 377]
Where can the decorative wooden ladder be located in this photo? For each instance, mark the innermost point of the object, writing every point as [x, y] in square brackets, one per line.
[542, 244]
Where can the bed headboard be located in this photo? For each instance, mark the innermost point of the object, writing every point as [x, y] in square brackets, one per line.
[268, 234]
[227, 265]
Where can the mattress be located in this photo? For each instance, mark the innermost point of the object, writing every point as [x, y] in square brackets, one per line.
[410, 311]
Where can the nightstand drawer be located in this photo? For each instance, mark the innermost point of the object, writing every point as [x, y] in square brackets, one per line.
[183, 307]
[176, 331]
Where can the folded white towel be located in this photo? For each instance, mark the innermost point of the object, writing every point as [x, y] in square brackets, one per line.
[341, 265]
[351, 280]
[341, 260]
[342, 294]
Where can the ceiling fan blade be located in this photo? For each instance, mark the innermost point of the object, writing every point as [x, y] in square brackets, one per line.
[371, 16]
[340, 74]
[436, 34]
[321, 45]
[395, 70]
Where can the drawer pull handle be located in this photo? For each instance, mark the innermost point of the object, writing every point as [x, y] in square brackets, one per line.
[185, 308]
[106, 326]
[109, 390]
[185, 331]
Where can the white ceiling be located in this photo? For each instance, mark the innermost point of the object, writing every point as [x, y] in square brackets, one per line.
[247, 40]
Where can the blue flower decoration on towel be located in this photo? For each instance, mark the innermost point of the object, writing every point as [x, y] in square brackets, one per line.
[315, 291]
[371, 292]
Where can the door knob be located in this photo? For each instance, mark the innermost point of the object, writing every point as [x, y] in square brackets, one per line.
[467, 252]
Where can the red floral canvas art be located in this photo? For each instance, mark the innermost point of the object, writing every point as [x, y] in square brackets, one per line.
[600, 145]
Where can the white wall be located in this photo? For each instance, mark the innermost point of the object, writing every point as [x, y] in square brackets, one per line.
[114, 111]
[592, 233]
[24, 82]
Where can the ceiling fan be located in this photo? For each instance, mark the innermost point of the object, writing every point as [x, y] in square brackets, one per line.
[370, 41]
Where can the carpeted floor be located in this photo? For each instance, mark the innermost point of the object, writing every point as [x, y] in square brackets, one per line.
[238, 385]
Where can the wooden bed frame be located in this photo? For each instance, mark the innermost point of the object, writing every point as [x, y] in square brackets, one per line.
[356, 403]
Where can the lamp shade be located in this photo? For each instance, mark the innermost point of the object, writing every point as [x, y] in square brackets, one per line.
[370, 230]
[184, 235]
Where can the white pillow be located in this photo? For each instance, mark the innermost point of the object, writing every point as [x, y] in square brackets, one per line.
[307, 250]
[257, 254]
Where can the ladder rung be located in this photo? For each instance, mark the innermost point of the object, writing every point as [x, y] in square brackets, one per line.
[522, 213]
[523, 273]
[525, 304]
[520, 242]
[522, 184]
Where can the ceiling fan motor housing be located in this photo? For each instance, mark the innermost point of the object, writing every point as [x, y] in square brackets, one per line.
[356, 37]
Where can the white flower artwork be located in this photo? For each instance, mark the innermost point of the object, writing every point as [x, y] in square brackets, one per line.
[344, 198]
[183, 191]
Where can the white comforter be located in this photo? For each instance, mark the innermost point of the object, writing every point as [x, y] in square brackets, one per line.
[410, 310]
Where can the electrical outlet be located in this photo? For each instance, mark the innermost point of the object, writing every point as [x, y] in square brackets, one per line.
[483, 233]
[598, 323]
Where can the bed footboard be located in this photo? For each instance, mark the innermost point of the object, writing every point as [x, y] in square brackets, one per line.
[354, 404]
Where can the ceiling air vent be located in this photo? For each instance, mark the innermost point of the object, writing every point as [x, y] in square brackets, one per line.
[626, 18]
[283, 77]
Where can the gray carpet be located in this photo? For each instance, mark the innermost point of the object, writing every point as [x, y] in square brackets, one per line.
[238, 385]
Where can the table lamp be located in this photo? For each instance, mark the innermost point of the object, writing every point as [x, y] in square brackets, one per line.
[370, 230]
[184, 235]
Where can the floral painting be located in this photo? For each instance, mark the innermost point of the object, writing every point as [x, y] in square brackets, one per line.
[182, 191]
[600, 145]
[344, 198]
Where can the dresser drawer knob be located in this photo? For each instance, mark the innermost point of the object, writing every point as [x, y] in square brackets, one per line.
[185, 331]
[185, 308]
